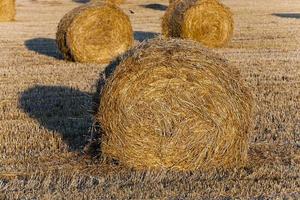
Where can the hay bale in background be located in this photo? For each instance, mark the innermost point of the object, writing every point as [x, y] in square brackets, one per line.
[206, 21]
[7, 10]
[174, 104]
[94, 33]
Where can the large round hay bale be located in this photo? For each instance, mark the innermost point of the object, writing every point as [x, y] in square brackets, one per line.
[206, 21]
[7, 10]
[174, 104]
[94, 33]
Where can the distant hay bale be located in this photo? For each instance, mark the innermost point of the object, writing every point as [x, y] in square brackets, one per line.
[174, 104]
[7, 10]
[94, 33]
[206, 21]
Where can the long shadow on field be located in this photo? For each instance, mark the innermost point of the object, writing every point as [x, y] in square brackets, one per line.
[155, 6]
[44, 46]
[62, 110]
[288, 15]
[141, 35]
[81, 1]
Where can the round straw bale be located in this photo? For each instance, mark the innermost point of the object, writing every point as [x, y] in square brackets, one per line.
[206, 21]
[174, 104]
[94, 33]
[7, 10]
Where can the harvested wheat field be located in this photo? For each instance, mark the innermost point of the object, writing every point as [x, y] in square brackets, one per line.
[46, 107]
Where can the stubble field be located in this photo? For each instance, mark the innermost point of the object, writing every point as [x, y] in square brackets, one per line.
[46, 105]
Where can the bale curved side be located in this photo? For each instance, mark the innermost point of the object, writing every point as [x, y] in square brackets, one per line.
[94, 33]
[206, 21]
[7, 10]
[173, 104]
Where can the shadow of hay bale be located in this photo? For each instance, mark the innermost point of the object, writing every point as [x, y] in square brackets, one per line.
[44, 46]
[60, 109]
[155, 6]
[272, 153]
[107, 72]
[94, 147]
[287, 15]
[81, 1]
[141, 35]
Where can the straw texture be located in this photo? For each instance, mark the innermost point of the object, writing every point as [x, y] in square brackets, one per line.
[94, 33]
[206, 21]
[7, 10]
[111, 1]
[116, 1]
[174, 104]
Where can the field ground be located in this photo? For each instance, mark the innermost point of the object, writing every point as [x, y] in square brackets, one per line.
[45, 102]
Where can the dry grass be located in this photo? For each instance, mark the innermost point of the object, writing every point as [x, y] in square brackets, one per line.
[44, 123]
[171, 103]
[94, 33]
